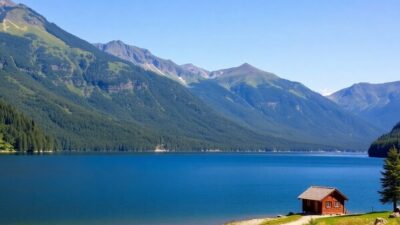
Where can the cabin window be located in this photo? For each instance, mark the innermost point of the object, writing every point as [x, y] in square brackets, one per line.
[337, 204]
[328, 205]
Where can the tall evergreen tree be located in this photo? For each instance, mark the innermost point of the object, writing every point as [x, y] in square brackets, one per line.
[390, 180]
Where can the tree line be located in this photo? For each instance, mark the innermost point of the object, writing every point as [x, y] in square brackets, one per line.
[21, 134]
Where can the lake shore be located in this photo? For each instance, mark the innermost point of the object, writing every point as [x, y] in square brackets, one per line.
[353, 219]
[296, 219]
[164, 151]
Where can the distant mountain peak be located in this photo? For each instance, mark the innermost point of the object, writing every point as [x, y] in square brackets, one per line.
[246, 65]
[188, 65]
[249, 68]
[116, 41]
[185, 74]
[17, 19]
[373, 102]
[196, 70]
[244, 70]
[7, 3]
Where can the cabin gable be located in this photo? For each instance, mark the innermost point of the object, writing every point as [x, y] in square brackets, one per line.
[333, 204]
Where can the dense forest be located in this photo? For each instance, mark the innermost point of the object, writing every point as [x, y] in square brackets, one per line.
[18, 133]
[381, 146]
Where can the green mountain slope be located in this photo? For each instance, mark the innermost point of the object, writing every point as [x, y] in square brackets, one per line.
[18, 133]
[264, 102]
[274, 105]
[377, 103]
[88, 99]
[382, 145]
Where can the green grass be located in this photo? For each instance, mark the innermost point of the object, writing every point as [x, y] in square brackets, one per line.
[117, 67]
[283, 220]
[71, 87]
[364, 219]
[23, 89]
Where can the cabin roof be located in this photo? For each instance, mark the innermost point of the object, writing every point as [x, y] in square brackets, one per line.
[318, 193]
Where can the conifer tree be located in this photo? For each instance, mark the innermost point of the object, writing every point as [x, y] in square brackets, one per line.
[390, 180]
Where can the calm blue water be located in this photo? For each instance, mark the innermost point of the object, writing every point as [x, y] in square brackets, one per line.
[174, 188]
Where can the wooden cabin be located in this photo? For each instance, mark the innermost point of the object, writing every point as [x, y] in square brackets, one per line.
[323, 201]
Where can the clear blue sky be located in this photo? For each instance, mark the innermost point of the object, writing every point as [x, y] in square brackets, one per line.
[325, 44]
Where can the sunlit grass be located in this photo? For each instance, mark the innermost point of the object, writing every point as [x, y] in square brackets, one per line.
[364, 219]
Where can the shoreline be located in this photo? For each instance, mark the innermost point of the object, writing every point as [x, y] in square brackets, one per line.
[300, 219]
[288, 219]
[166, 152]
[295, 219]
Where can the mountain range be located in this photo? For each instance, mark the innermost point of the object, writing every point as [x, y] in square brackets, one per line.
[90, 100]
[115, 96]
[377, 103]
[261, 101]
[183, 74]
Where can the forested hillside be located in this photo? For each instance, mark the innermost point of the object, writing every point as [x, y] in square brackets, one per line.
[382, 145]
[18, 133]
[90, 100]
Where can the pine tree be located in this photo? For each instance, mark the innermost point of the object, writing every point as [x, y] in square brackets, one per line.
[390, 181]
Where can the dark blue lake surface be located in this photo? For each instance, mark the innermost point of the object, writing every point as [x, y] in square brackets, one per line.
[174, 188]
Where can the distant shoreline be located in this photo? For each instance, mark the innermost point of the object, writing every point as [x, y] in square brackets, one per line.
[165, 152]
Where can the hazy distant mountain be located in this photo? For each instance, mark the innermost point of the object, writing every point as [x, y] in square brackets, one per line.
[196, 70]
[246, 74]
[7, 3]
[142, 57]
[383, 144]
[276, 106]
[377, 103]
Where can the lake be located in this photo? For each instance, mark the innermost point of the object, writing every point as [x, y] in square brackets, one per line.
[175, 188]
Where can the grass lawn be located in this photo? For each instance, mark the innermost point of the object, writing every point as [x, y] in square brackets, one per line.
[278, 221]
[364, 219]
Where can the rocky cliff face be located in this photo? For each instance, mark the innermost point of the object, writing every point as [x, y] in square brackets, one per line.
[7, 3]
[185, 74]
[196, 70]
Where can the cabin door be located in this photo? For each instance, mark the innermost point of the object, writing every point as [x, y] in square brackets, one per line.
[316, 207]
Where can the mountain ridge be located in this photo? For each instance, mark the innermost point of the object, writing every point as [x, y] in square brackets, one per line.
[91, 100]
[266, 103]
[7, 3]
[184, 74]
[378, 103]
[289, 104]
